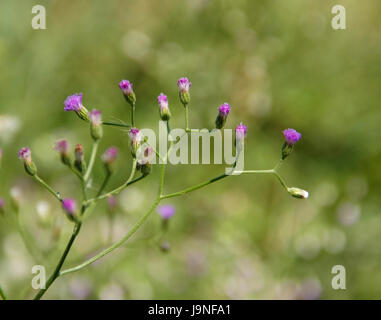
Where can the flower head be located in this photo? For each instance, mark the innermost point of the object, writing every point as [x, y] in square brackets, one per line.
[134, 134]
[166, 211]
[298, 193]
[224, 109]
[126, 86]
[74, 102]
[25, 154]
[184, 84]
[240, 131]
[95, 117]
[111, 202]
[79, 161]
[109, 155]
[62, 146]
[70, 206]
[292, 136]
[163, 107]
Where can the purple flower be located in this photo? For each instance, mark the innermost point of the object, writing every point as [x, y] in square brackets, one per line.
[163, 101]
[70, 206]
[74, 102]
[291, 136]
[240, 131]
[184, 84]
[126, 87]
[95, 117]
[109, 155]
[224, 109]
[62, 147]
[25, 154]
[135, 134]
[166, 211]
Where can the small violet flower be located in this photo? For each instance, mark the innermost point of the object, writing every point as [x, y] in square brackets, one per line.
[223, 112]
[63, 149]
[109, 155]
[166, 211]
[79, 161]
[135, 136]
[74, 103]
[240, 131]
[95, 117]
[163, 107]
[292, 136]
[70, 207]
[184, 85]
[127, 89]
[25, 154]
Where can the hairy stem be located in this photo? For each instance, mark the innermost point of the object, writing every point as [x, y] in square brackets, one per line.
[116, 124]
[57, 270]
[47, 187]
[92, 160]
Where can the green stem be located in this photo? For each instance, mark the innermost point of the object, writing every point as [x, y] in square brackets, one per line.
[179, 193]
[115, 245]
[133, 115]
[2, 294]
[105, 181]
[186, 117]
[47, 187]
[57, 270]
[116, 124]
[92, 160]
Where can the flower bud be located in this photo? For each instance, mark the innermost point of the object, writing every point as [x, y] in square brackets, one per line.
[144, 159]
[74, 103]
[184, 85]
[96, 130]
[63, 149]
[111, 204]
[165, 246]
[45, 218]
[79, 162]
[25, 154]
[136, 137]
[240, 134]
[291, 136]
[298, 193]
[166, 212]
[2, 204]
[129, 94]
[70, 207]
[16, 196]
[223, 112]
[165, 114]
[109, 157]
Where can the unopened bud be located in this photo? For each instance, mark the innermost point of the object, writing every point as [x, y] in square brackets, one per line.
[164, 112]
[25, 154]
[111, 204]
[184, 85]
[16, 195]
[128, 92]
[43, 213]
[74, 103]
[70, 207]
[223, 112]
[96, 130]
[109, 157]
[136, 137]
[298, 193]
[165, 246]
[63, 149]
[166, 212]
[79, 162]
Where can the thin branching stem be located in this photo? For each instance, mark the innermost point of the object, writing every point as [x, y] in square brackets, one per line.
[92, 160]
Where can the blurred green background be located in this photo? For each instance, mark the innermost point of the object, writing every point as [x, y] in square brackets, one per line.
[279, 64]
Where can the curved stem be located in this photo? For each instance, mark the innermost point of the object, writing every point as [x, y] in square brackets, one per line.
[2, 294]
[105, 181]
[57, 270]
[115, 245]
[47, 187]
[92, 160]
[133, 115]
